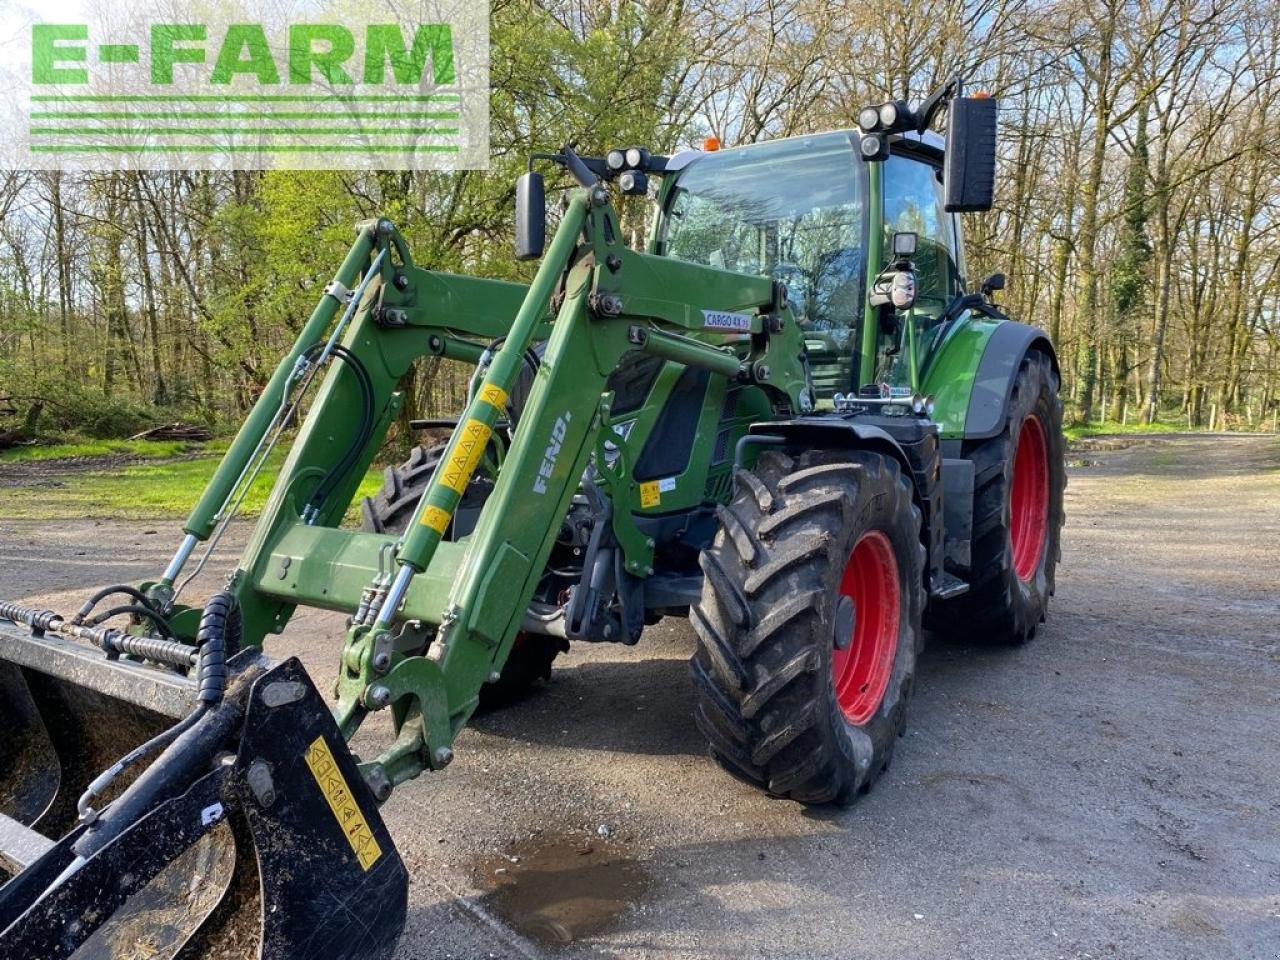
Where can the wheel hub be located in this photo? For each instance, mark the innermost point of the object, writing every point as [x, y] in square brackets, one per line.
[866, 627]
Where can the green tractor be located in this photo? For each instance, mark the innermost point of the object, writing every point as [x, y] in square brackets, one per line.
[788, 419]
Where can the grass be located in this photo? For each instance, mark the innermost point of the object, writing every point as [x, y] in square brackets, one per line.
[1077, 431]
[97, 448]
[145, 491]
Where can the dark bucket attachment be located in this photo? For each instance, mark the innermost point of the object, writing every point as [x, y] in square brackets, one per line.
[252, 835]
[67, 713]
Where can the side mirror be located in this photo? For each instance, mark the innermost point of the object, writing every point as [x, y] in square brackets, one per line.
[992, 284]
[531, 216]
[904, 245]
[969, 168]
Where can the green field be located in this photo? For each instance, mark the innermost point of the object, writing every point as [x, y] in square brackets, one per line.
[163, 490]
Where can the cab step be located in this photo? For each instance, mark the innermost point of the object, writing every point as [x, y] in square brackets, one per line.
[946, 586]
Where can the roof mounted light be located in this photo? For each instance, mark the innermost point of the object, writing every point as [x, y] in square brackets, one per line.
[873, 146]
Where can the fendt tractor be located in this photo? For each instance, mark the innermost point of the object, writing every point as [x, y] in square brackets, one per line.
[790, 419]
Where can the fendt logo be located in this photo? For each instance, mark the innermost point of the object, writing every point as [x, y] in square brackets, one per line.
[382, 84]
[559, 430]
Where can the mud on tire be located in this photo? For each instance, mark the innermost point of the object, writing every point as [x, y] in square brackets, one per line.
[771, 611]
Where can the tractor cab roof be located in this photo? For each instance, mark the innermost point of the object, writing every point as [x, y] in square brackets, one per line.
[928, 143]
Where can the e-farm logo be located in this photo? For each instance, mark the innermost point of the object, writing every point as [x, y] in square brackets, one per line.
[381, 85]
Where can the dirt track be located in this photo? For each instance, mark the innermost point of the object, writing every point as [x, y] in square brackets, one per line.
[1108, 791]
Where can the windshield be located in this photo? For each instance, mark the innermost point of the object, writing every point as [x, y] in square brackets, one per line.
[790, 210]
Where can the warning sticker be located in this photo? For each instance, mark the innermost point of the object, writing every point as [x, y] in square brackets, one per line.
[334, 787]
[436, 519]
[472, 436]
[650, 495]
[493, 395]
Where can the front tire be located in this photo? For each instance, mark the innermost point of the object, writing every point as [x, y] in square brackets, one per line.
[809, 623]
[1019, 479]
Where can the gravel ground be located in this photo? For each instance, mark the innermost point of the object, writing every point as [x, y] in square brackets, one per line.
[1109, 790]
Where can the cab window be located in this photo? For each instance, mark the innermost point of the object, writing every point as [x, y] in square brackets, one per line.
[791, 210]
[913, 202]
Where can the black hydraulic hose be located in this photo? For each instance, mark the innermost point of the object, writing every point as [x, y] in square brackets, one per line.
[361, 438]
[160, 623]
[186, 757]
[84, 807]
[217, 637]
[105, 592]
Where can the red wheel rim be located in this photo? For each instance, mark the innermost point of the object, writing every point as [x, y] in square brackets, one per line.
[1029, 500]
[862, 669]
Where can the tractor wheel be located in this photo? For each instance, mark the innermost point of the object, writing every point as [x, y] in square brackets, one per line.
[1018, 482]
[809, 624]
[390, 510]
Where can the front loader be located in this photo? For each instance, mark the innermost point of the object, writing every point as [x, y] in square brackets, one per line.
[788, 419]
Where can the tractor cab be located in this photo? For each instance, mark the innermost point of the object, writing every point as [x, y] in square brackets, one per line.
[805, 211]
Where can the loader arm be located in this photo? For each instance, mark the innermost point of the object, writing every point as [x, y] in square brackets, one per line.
[434, 620]
[611, 300]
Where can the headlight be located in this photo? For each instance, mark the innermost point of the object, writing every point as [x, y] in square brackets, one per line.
[636, 157]
[870, 145]
[615, 160]
[868, 119]
[888, 114]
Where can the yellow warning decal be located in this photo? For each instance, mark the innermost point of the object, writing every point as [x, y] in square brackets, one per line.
[493, 395]
[436, 519]
[334, 787]
[472, 436]
[650, 495]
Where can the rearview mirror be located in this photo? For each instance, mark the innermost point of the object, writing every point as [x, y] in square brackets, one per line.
[969, 169]
[531, 216]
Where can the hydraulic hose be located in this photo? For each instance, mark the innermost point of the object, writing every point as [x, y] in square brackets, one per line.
[138, 610]
[217, 636]
[105, 592]
[188, 755]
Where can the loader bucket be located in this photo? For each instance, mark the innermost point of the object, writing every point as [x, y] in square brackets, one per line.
[251, 835]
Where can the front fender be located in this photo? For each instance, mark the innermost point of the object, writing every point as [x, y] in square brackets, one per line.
[971, 374]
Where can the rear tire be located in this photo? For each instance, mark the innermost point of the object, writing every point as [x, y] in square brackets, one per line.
[812, 551]
[1018, 484]
[389, 512]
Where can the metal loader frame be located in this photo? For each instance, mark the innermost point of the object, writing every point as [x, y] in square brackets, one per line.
[433, 620]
